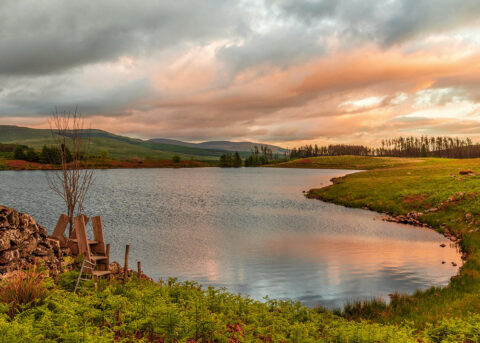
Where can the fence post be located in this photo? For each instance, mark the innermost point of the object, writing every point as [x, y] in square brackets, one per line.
[125, 267]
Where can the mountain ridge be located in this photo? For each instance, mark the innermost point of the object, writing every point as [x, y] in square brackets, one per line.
[119, 146]
[244, 146]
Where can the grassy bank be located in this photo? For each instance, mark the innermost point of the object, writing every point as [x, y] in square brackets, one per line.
[140, 310]
[446, 192]
[346, 162]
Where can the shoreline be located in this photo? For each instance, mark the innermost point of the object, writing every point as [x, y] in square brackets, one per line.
[412, 218]
[433, 194]
[20, 165]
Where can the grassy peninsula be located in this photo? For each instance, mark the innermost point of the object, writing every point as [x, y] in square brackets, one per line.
[445, 192]
[346, 162]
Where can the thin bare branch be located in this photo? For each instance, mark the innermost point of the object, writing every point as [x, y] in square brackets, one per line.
[72, 142]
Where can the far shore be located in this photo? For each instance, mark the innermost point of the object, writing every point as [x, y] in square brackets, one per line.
[107, 164]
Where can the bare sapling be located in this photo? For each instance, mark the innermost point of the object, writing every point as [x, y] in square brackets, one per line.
[73, 179]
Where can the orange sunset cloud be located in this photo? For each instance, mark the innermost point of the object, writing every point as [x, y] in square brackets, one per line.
[237, 74]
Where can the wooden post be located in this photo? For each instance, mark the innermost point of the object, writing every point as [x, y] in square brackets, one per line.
[139, 268]
[82, 240]
[107, 253]
[125, 266]
[61, 226]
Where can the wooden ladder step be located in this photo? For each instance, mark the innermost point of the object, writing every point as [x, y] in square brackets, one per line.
[98, 257]
[100, 272]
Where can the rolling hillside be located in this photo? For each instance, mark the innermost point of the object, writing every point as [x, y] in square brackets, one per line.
[126, 147]
[220, 145]
[117, 146]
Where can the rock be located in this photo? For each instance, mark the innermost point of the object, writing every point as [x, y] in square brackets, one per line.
[468, 217]
[9, 256]
[4, 242]
[40, 251]
[454, 264]
[55, 244]
[29, 246]
[443, 245]
[465, 172]
[23, 243]
[443, 262]
[115, 268]
[12, 218]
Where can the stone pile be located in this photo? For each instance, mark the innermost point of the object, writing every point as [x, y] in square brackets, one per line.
[411, 218]
[24, 243]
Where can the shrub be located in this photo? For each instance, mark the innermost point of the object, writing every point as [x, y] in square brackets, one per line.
[176, 159]
[24, 288]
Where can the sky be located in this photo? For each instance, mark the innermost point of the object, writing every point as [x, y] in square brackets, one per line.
[286, 72]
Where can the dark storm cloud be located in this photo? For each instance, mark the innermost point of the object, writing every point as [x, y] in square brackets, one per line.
[39, 37]
[387, 22]
[40, 97]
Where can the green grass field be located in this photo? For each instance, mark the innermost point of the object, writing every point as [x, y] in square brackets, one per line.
[346, 162]
[437, 184]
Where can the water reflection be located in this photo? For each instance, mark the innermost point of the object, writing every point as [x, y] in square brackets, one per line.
[250, 230]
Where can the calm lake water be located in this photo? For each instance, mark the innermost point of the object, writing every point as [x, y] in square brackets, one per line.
[250, 230]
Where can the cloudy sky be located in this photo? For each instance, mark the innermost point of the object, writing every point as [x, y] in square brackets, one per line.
[286, 72]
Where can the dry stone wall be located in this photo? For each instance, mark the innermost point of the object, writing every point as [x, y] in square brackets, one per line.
[24, 243]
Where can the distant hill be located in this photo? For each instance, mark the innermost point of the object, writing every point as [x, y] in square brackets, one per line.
[117, 146]
[127, 147]
[220, 145]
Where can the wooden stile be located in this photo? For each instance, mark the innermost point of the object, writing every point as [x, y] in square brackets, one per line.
[94, 252]
[85, 219]
[82, 240]
[61, 226]
[98, 248]
[73, 234]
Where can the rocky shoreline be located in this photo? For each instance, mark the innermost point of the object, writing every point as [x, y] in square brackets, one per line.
[413, 218]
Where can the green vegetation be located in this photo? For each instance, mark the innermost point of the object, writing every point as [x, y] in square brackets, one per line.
[118, 147]
[229, 160]
[48, 155]
[347, 162]
[140, 310]
[447, 193]
[263, 156]
[424, 146]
